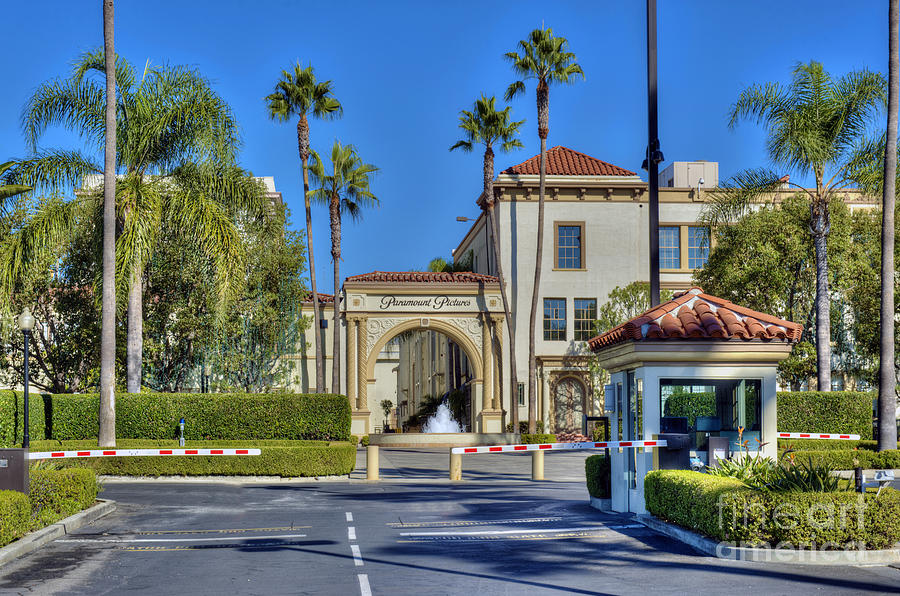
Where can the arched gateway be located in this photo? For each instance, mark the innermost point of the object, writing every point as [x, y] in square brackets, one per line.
[465, 307]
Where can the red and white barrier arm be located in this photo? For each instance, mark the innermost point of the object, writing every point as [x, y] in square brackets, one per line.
[138, 453]
[551, 446]
[818, 436]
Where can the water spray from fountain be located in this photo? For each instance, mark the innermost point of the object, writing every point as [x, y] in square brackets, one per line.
[442, 421]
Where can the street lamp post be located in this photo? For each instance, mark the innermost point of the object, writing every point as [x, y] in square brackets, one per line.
[26, 324]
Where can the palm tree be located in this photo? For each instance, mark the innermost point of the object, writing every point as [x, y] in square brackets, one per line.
[298, 94]
[107, 433]
[486, 125]
[176, 142]
[547, 60]
[887, 385]
[345, 190]
[9, 190]
[814, 126]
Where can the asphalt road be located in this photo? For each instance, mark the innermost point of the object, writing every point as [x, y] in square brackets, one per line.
[413, 534]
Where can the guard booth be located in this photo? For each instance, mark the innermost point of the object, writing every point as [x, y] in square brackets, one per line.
[697, 362]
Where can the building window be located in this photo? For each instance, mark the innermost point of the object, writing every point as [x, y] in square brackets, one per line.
[521, 392]
[569, 245]
[669, 247]
[698, 246]
[585, 315]
[554, 319]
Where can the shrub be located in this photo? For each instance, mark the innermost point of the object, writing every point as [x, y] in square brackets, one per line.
[537, 438]
[234, 416]
[843, 459]
[364, 441]
[55, 494]
[691, 405]
[826, 412]
[597, 473]
[523, 426]
[723, 509]
[827, 444]
[15, 516]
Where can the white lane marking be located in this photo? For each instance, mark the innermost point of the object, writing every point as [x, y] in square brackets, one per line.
[349, 516]
[496, 532]
[117, 540]
[364, 588]
[351, 533]
[357, 556]
[477, 522]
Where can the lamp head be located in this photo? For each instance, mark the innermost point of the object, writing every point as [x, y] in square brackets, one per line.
[26, 320]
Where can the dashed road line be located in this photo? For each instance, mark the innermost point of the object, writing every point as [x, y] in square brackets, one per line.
[364, 588]
[349, 516]
[357, 556]
[351, 533]
[136, 540]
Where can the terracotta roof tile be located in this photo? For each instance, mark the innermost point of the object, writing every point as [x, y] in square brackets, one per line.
[694, 315]
[562, 161]
[323, 298]
[423, 277]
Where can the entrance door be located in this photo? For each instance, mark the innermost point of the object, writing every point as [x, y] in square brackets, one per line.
[569, 405]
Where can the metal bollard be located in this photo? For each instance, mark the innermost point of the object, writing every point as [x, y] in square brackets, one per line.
[455, 466]
[372, 462]
[537, 465]
[181, 434]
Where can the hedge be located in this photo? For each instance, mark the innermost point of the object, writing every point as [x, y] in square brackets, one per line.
[288, 462]
[54, 495]
[723, 509]
[826, 412]
[597, 474]
[827, 445]
[842, 459]
[228, 416]
[534, 439]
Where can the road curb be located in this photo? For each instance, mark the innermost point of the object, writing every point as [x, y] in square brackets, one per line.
[33, 541]
[724, 550]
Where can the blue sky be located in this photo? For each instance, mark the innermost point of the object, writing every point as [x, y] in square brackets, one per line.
[403, 70]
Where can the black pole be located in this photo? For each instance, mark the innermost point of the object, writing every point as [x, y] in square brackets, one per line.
[26, 440]
[653, 154]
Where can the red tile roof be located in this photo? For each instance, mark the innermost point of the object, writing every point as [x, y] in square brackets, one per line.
[562, 161]
[323, 298]
[423, 277]
[693, 315]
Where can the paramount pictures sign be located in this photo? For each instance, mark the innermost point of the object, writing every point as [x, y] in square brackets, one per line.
[393, 303]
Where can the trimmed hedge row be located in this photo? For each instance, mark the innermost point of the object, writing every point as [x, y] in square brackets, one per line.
[826, 412]
[842, 459]
[597, 474]
[723, 509]
[534, 439]
[54, 495]
[827, 445]
[287, 462]
[228, 416]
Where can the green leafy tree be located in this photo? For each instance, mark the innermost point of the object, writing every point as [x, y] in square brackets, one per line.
[485, 125]
[345, 191]
[814, 125]
[298, 93]
[547, 60]
[624, 303]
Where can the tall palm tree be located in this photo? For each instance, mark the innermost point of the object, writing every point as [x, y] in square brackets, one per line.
[298, 94]
[486, 125]
[176, 142]
[344, 190]
[887, 382]
[9, 190]
[814, 126]
[547, 60]
[107, 433]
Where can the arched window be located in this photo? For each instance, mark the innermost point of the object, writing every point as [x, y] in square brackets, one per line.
[569, 405]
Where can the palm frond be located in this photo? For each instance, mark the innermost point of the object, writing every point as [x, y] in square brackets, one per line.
[735, 196]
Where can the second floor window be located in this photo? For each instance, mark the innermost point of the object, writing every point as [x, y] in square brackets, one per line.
[554, 319]
[569, 246]
[585, 315]
[698, 246]
[669, 247]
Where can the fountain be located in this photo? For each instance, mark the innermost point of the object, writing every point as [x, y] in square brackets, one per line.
[442, 421]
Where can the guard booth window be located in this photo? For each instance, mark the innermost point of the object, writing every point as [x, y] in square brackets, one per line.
[715, 407]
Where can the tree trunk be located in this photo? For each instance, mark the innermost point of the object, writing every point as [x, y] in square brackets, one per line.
[107, 436]
[543, 107]
[335, 212]
[135, 340]
[887, 374]
[823, 307]
[303, 143]
[490, 203]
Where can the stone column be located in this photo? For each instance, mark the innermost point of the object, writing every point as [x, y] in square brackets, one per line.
[352, 323]
[487, 364]
[362, 359]
[498, 362]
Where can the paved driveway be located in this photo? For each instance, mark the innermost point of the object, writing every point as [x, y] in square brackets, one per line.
[417, 534]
